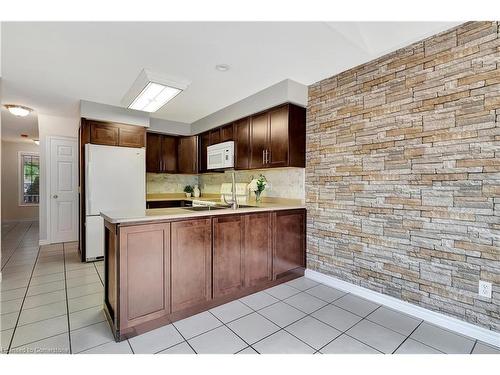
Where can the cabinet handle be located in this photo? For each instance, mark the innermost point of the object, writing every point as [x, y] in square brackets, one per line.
[268, 156]
[263, 156]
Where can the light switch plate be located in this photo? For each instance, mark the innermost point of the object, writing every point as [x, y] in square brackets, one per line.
[484, 289]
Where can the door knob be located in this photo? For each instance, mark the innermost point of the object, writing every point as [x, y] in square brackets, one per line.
[55, 196]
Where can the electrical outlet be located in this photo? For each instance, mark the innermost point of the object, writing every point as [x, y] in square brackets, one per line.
[484, 289]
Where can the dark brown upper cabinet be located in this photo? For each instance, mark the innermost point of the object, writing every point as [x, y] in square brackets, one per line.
[269, 139]
[169, 154]
[277, 138]
[215, 136]
[259, 134]
[187, 154]
[161, 153]
[242, 143]
[211, 137]
[226, 133]
[204, 142]
[113, 134]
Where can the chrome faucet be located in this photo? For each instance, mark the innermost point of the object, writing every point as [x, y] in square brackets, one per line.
[233, 202]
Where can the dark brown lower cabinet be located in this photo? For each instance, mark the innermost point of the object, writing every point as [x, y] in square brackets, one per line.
[289, 241]
[161, 272]
[257, 248]
[227, 254]
[191, 263]
[144, 273]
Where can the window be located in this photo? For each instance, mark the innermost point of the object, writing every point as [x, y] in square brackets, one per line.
[30, 179]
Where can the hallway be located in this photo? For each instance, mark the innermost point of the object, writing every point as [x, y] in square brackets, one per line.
[39, 287]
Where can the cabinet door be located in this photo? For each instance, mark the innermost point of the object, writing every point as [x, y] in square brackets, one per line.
[103, 134]
[215, 136]
[227, 255]
[168, 154]
[258, 139]
[191, 263]
[257, 248]
[277, 151]
[187, 154]
[242, 143]
[226, 133]
[131, 136]
[153, 152]
[204, 140]
[288, 241]
[144, 273]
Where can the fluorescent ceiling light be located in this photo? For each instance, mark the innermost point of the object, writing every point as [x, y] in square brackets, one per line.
[18, 110]
[153, 97]
[151, 91]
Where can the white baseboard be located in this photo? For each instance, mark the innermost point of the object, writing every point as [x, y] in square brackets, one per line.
[433, 317]
[43, 242]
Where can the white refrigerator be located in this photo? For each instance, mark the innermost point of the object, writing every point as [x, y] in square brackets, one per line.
[115, 179]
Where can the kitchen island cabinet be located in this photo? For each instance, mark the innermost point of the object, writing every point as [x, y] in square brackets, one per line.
[191, 263]
[163, 270]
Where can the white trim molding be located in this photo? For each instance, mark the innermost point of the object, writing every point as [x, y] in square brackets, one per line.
[448, 322]
[43, 242]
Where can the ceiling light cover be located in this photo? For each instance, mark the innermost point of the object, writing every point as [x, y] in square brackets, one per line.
[18, 110]
[153, 97]
[152, 91]
[222, 67]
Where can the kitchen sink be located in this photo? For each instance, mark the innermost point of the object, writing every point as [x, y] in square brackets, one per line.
[211, 208]
[205, 208]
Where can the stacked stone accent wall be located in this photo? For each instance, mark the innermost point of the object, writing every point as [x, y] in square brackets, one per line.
[403, 174]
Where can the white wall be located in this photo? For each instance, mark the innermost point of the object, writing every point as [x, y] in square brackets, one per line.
[104, 112]
[10, 182]
[49, 125]
[282, 92]
[169, 127]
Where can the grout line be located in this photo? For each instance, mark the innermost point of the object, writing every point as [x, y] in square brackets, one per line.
[45, 338]
[473, 347]
[67, 304]
[229, 328]
[41, 320]
[22, 304]
[407, 337]
[17, 245]
[98, 274]
[186, 341]
[130, 346]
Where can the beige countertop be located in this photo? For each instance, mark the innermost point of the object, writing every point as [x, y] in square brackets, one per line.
[158, 214]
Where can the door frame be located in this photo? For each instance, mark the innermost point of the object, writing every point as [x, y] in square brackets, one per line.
[48, 181]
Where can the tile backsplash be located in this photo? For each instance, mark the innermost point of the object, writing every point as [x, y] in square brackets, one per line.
[168, 183]
[282, 182]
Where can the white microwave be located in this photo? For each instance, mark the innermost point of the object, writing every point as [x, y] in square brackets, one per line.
[220, 155]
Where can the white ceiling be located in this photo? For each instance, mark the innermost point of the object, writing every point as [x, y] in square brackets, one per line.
[51, 66]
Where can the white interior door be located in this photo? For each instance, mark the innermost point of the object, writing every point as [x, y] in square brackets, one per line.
[63, 190]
